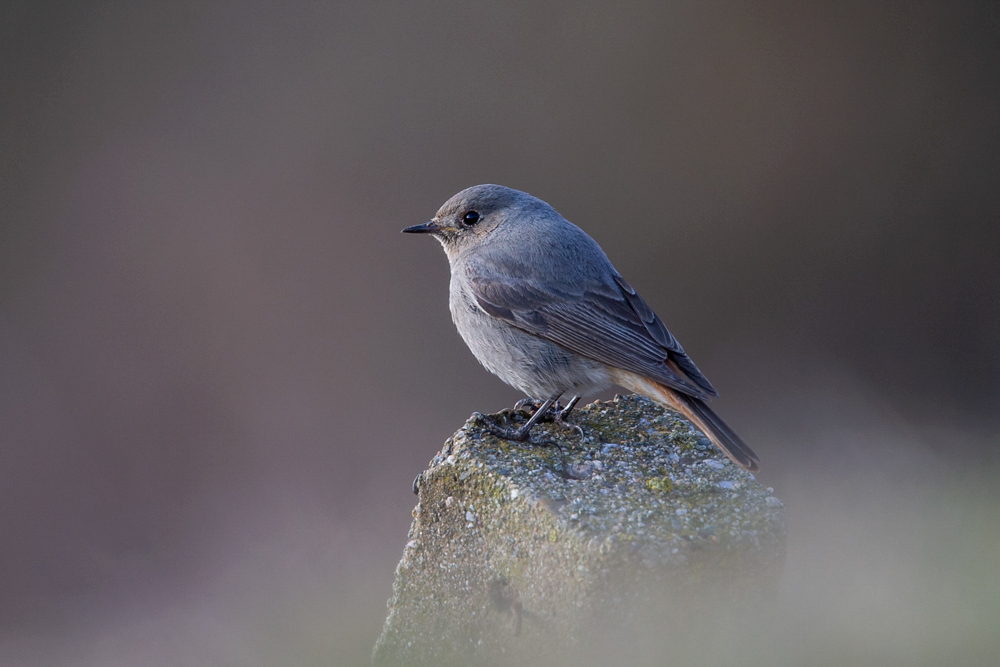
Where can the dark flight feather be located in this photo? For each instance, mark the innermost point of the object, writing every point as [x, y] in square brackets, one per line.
[608, 323]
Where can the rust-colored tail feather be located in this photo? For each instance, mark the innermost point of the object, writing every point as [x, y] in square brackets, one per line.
[697, 412]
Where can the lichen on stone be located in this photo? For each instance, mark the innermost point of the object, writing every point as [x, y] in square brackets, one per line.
[578, 529]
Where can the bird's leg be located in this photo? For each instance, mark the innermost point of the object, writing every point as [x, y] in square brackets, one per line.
[557, 413]
[519, 434]
[562, 414]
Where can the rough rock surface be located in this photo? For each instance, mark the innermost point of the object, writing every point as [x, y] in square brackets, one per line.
[521, 552]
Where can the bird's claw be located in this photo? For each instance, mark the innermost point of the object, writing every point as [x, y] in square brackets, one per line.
[526, 402]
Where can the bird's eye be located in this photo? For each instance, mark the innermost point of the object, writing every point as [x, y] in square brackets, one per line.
[470, 218]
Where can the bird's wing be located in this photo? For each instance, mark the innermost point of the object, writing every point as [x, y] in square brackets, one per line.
[605, 321]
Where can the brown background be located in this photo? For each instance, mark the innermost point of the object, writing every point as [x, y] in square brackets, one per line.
[221, 365]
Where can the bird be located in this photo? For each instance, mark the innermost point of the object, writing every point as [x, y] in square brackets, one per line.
[541, 306]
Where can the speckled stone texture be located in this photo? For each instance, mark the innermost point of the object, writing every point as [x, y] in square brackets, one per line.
[523, 553]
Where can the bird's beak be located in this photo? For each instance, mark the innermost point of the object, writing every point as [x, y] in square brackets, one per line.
[426, 228]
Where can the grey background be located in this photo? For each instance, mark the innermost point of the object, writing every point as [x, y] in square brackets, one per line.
[221, 365]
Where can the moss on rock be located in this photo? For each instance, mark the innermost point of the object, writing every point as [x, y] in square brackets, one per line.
[522, 550]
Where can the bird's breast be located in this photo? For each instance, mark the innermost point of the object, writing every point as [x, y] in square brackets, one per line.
[533, 365]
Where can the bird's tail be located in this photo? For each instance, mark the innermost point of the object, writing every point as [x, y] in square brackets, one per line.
[697, 412]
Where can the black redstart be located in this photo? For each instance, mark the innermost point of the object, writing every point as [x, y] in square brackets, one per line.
[540, 305]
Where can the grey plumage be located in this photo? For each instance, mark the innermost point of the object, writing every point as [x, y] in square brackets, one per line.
[541, 306]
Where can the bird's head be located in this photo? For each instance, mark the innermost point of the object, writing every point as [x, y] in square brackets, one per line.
[468, 218]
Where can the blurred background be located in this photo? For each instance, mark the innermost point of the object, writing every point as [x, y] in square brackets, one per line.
[221, 364]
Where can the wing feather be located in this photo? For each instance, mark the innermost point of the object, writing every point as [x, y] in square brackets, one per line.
[609, 323]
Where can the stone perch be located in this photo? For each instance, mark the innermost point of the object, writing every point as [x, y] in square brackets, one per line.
[526, 553]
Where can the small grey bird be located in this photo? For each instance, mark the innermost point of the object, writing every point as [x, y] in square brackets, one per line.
[541, 307]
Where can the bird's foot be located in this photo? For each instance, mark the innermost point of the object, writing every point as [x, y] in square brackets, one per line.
[530, 403]
[516, 434]
[561, 416]
[557, 414]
